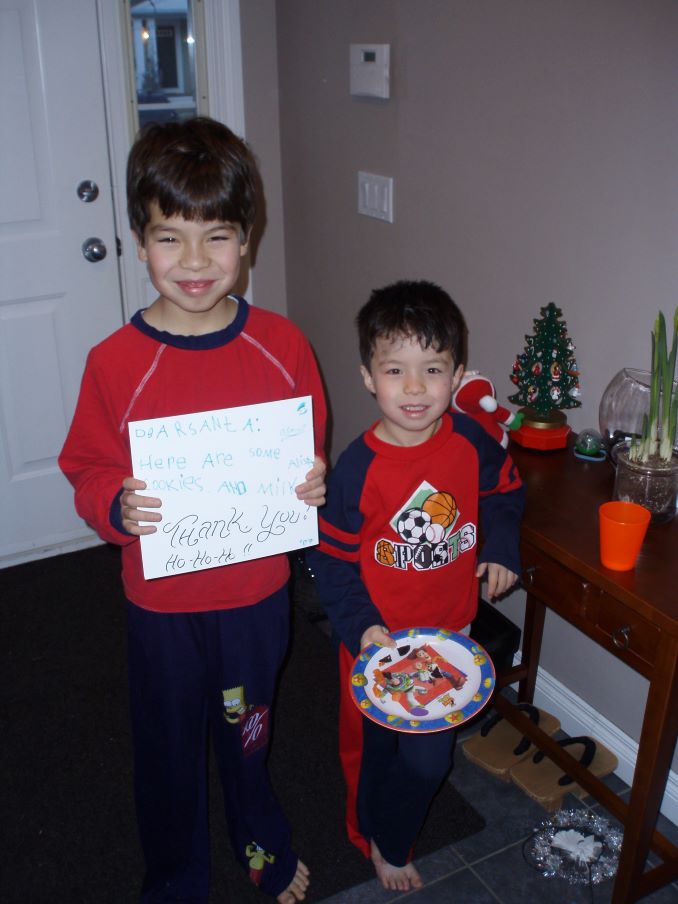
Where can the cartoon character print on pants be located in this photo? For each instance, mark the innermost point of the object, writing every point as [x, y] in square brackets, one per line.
[253, 720]
[427, 527]
[257, 859]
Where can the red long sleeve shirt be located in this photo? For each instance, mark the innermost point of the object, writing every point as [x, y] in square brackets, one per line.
[139, 372]
[399, 533]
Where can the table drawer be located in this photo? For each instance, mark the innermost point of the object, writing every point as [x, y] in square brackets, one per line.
[561, 589]
[605, 619]
[623, 631]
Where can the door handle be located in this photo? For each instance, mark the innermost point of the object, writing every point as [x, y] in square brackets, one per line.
[94, 250]
[87, 191]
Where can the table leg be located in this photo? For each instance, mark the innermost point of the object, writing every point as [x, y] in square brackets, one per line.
[655, 752]
[533, 629]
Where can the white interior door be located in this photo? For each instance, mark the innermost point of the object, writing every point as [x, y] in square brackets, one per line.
[54, 303]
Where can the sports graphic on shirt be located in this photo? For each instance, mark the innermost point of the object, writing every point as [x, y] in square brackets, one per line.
[427, 530]
[432, 680]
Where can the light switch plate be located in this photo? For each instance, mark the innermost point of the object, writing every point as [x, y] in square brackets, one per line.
[375, 196]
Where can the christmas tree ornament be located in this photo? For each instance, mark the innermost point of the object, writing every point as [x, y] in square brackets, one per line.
[547, 379]
[589, 445]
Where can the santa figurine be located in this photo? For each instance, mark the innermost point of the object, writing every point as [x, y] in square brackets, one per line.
[476, 397]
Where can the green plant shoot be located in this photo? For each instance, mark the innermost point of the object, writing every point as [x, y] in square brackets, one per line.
[659, 426]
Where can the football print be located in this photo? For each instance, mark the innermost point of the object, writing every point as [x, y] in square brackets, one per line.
[412, 525]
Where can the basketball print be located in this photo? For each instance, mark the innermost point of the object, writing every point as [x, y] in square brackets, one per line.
[385, 553]
[441, 508]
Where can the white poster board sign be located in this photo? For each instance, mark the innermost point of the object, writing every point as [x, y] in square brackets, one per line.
[226, 479]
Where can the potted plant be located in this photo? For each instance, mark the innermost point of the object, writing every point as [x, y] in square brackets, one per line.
[647, 467]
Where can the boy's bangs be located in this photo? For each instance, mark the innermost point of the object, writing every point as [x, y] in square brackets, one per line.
[208, 210]
[198, 200]
[412, 310]
[423, 328]
[427, 338]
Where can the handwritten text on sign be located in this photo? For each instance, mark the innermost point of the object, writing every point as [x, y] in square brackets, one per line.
[226, 479]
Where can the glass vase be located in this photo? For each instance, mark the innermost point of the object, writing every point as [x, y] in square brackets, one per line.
[653, 484]
[624, 402]
[622, 406]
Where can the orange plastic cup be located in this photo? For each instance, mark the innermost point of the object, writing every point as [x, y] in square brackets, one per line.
[622, 531]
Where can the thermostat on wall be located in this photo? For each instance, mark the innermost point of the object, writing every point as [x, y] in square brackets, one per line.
[369, 66]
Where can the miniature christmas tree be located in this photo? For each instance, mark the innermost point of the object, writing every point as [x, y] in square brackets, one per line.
[546, 373]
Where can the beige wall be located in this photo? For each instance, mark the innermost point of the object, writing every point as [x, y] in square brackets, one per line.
[533, 148]
[532, 143]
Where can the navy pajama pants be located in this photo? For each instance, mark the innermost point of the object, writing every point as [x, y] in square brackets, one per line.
[191, 674]
[400, 775]
[391, 776]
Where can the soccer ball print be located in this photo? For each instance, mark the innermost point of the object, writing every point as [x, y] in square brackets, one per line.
[412, 526]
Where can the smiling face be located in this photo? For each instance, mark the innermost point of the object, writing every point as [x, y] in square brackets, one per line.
[193, 265]
[412, 386]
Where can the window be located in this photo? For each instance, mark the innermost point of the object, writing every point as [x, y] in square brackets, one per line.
[164, 49]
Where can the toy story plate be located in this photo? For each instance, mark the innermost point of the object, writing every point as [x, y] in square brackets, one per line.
[432, 680]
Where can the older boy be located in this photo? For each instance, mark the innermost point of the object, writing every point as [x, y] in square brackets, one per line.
[198, 641]
[412, 344]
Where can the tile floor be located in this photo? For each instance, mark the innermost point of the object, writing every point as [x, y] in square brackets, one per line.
[488, 867]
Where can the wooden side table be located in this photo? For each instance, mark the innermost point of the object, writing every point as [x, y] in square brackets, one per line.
[632, 614]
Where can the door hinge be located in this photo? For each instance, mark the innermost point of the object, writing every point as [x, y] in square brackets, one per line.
[118, 246]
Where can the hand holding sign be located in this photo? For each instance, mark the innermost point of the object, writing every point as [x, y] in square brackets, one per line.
[134, 508]
[227, 481]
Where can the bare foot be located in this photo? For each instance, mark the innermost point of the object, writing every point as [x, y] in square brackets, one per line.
[296, 890]
[395, 878]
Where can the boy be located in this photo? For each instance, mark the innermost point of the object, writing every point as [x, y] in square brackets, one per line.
[211, 639]
[412, 338]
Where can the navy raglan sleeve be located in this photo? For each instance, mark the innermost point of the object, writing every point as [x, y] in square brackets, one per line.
[502, 496]
[334, 563]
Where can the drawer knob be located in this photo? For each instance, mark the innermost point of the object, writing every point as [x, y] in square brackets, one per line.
[620, 638]
[527, 578]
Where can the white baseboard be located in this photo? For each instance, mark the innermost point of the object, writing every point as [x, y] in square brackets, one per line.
[578, 718]
[55, 549]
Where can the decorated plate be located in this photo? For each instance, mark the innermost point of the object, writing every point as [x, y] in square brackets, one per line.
[576, 845]
[432, 680]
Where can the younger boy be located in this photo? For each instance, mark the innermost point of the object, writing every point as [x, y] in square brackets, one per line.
[372, 581]
[211, 639]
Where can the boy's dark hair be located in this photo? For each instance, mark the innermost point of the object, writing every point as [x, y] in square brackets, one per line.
[197, 169]
[420, 310]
